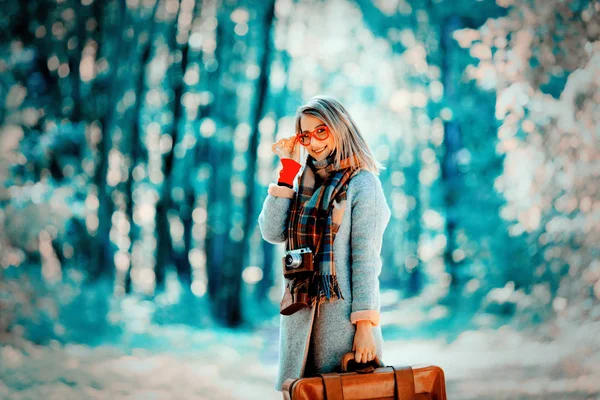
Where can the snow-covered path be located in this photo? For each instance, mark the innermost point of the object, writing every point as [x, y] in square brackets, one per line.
[501, 364]
[227, 367]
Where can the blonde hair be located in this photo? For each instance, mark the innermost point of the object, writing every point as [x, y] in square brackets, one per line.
[348, 139]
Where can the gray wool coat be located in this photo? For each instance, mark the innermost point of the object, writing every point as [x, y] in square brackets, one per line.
[357, 249]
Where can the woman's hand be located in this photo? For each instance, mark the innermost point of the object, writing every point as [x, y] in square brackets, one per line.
[287, 148]
[364, 343]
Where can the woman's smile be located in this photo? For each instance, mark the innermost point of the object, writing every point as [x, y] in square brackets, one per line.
[320, 150]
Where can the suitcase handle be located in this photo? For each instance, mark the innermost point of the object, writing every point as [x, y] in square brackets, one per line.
[370, 366]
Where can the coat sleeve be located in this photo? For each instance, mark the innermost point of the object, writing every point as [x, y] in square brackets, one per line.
[274, 215]
[370, 216]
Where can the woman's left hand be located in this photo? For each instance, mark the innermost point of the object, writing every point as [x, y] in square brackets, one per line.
[364, 343]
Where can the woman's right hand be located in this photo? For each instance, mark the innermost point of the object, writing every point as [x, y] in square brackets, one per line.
[287, 148]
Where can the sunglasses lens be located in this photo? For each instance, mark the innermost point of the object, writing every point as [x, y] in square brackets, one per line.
[321, 133]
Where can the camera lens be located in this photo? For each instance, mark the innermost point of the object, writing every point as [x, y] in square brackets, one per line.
[293, 260]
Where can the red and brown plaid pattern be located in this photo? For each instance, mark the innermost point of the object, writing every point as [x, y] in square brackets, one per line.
[316, 213]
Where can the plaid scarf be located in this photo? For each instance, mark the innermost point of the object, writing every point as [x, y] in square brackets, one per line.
[315, 218]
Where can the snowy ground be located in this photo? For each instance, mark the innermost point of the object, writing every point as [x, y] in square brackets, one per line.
[145, 353]
[221, 364]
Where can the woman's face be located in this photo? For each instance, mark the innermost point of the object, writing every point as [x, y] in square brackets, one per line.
[319, 149]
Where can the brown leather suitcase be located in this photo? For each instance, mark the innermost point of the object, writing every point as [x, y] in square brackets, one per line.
[375, 382]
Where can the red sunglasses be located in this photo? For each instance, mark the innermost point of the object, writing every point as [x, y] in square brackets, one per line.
[320, 133]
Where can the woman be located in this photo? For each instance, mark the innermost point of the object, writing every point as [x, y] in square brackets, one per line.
[337, 206]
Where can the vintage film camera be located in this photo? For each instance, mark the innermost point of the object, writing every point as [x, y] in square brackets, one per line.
[297, 261]
[298, 268]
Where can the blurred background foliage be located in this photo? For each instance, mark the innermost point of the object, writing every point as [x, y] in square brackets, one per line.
[135, 155]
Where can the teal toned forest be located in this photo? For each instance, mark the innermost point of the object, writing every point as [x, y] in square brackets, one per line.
[135, 155]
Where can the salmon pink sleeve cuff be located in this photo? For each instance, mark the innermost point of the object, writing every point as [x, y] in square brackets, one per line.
[370, 315]
[280, 191]
[288, 172]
